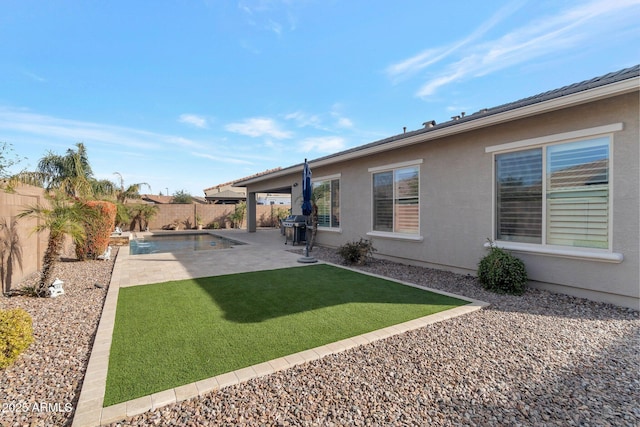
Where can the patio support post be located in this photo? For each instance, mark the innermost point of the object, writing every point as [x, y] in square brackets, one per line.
[251, 211]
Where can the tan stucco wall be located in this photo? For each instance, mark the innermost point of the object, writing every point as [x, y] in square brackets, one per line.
[33, 244]
[456, 201]
[185, 214]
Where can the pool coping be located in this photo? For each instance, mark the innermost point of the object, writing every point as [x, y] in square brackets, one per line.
[90, 411]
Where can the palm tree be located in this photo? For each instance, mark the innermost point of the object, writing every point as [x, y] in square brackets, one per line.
[131, 192]
[11, 250]
[71, 173]
[64, 217]
[141, 214]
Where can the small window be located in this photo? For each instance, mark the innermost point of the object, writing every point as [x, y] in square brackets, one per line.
[327, 197]
[396, 205]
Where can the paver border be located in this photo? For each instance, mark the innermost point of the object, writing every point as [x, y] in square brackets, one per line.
[90, 411]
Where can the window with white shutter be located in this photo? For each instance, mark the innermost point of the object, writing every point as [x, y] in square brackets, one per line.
[396, 202]
[326, 193]
[561, 188]
[578, 194]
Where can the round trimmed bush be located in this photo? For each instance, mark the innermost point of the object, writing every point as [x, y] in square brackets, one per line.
[502, 272]
[357, 252]
[16, 334]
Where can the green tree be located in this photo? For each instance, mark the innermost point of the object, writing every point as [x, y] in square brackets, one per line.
[8, 159]
[131, 192]
[122, 194]
[63, 216]
[237, 217]
[70, 173]
[182, 197]
[141, 214]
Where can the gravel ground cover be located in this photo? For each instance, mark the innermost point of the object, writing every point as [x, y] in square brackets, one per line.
[43, 386]
[538, 359]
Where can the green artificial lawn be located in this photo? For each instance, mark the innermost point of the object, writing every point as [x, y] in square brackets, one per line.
[174, 333]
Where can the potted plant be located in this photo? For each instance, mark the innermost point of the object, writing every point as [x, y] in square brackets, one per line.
[199, 221]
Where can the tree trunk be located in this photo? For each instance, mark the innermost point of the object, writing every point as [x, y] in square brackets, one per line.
[51, 256]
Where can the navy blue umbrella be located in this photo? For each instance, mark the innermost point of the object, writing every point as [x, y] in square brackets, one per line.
[307, 208]
[306, 189]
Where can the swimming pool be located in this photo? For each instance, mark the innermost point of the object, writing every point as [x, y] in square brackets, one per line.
[179, 243]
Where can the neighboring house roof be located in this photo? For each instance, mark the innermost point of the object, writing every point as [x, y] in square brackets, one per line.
[220, 187]
[161, 200]
[152, 198]
[611, 84]
[227, 196]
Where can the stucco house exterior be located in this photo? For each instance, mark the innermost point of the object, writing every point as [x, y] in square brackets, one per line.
[554, 178]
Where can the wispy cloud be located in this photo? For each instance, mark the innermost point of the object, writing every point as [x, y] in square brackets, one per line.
[258, 126]
[552, 34]
[34, 76]
[269, 15]
[303, 119]
[194, 120]
[225, 159]
[274, 27]
[323, 144]
[428, 57]
[341, 121]
[70, 131]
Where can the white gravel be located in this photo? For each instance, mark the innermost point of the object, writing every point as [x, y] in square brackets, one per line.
[538, 359]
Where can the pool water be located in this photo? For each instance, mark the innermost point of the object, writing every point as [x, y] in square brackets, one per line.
[179, 243]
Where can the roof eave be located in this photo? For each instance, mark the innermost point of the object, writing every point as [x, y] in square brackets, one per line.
[589, 95]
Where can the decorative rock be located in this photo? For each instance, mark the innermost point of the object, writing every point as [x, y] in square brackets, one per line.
[537, 359]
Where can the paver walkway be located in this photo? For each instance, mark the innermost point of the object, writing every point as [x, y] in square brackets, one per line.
[265, 251]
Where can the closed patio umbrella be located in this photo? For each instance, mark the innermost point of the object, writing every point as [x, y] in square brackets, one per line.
[307, 208]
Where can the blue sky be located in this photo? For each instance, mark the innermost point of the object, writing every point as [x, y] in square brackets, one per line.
[187, 94]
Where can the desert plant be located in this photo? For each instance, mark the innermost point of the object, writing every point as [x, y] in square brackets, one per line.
[358, 252]
[501, 272]
[97, 230]
[62, 217]
[237, 217]
[142, 214]
[16, 334]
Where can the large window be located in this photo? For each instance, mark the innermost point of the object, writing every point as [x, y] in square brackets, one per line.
[555, 195]
[327, 195]
[396, 200]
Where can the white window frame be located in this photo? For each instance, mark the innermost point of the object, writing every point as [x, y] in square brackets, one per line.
[394, 235]
[331, 178]
[604, 255]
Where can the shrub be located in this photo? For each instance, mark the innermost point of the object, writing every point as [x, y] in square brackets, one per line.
[16, 334]
[501, 272]
[357, 252]
[98, 228]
